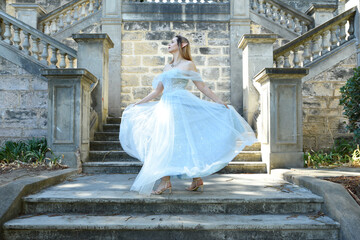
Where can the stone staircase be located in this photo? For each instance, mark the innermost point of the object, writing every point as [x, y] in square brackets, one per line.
[107, 156]
[232, 206]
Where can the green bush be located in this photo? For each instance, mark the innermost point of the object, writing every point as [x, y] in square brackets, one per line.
[32, 150]
[350, 99]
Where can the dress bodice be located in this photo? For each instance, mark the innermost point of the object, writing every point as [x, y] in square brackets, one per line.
[176, 79]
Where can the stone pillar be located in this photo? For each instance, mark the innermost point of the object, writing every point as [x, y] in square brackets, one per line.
[111, 24]
[321, 12]
[28, 13]
[69, 113]
[350, 4]
[93, 54]
[257, 53]
[280, 128]
[239, 25]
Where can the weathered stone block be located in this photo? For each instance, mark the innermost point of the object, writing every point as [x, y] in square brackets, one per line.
[334, 103]
[146, 80]
[317, 89]
[309, 142]
[224, 96]
[226, 50]
[159, 35]
[10, 132]
[160, 26]
[218, 61]
[219, 42]
[141, 92]
[127, 69]
[9, 99]
[35, 132]
[218, 34]
[313, 102]
[340, 74]
[126, 97]
[39, 84]
[209, 51]
[146, 48]
[127, 48]
[157, 70]
[126, 89]
[37, 99]
[14, 82]
[153, 61]
[211, 26]
[225, 72]
[130, 80]
[199, 60]
[196, 38]
[211, 73]
[136, 26]
[20, 118]
[184, 26]
[133, 36]
[223, 86]
[131, 61]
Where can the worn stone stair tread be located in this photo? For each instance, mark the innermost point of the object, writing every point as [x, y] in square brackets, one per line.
[112, 164]
[171, 222]
[110, 156]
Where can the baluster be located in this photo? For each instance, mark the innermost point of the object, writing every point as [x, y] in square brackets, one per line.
[261, 6]
[268, 10]
[76, 13]
[254, 5]
[71, 61]
[47, 28]
[53, 26]
[26, 43]
[286, 60]
[324, 42]
[16, 38]
[282, 17]
[289, 23]
[61, 22]
[97, 5]
[45, 53]
[315, 47]
[279, 62]
[91, 6]
[35, 48]
[306, 53]
[83, 11]
[275, 13]
[62, 63]
[333, 38]
[68, 18]
[342, 33]
[297, 27]
[7, 33]
[303, 27]
[296, 59]
[351, 29]
[53, 58]
[1, 38]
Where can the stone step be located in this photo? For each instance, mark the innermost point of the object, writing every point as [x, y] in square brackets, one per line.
[134, 167]
[111, 167]
[106, 136]
[248, 156]
[110, 156]
[113, 120]
[144, 226]
[105, 145]
[111, 128]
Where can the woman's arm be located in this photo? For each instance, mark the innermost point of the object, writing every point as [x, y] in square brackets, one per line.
[153, 94]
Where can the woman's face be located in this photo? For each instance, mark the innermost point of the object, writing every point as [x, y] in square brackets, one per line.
[172, 46]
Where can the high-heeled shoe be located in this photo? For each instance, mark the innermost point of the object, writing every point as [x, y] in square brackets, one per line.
[166, 187]
[198, 184]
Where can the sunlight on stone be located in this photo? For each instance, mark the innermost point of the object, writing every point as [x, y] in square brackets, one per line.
[118, 187]
[84, 194]
[72, 185]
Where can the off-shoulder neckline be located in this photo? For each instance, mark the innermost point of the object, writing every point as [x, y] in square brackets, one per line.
[183, 70]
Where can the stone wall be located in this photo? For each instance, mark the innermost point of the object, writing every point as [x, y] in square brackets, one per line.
[323, 119]
[144, 54]
[2, 5]
[23, 103]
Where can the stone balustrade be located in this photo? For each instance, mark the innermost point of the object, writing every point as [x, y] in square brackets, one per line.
[282, 15]
[33, 43]
[179, 1]
[317, 42]
[68, 15]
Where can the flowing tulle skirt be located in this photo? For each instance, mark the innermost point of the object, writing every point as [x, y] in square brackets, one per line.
[181, 135]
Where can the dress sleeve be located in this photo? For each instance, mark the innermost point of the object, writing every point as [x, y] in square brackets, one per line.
[192, 75]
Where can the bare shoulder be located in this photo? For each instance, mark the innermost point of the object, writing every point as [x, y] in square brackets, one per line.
[190, 65]
[167, 67]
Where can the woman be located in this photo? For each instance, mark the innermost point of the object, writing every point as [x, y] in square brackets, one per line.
[181, 135]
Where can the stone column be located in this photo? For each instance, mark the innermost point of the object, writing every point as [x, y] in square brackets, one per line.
[239, 25]
[29, 13]
[280, 128]
[321, 12]
[257, 53]
[348, 5]
[111, 24]
[93, 54]
[69, 113]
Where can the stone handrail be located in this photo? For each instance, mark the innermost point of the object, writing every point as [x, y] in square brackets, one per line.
[318, 41]
[34, 43]
[283, 15]
[178, 1]
[68, 15]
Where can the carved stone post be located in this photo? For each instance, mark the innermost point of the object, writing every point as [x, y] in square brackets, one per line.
[321, 12]
[239, 25]
[29, 13]
[280, 125]
[69, 113]
[257, 52]
[348, 5]
[93, 54]
[111, 24]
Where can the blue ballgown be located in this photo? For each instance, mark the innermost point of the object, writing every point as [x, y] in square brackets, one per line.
[181, 135]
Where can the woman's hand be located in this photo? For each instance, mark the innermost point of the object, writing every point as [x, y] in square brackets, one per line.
[221, 102]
